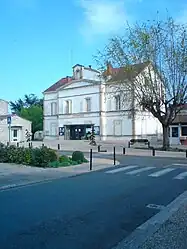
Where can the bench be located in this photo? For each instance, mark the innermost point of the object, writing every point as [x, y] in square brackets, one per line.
[139, 140]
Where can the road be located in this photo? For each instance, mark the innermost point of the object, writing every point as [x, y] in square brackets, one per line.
[95, 210]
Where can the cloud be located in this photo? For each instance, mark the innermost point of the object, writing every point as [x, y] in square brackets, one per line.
[103, 17]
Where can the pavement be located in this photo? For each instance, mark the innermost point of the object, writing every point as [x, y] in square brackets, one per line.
[104, 209]
[82, 145]
[171, 234]
[12, 175]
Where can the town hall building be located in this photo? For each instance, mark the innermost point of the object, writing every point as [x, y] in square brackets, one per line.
[74, 104]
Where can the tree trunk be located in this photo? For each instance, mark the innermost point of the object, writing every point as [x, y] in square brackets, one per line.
[165, 129]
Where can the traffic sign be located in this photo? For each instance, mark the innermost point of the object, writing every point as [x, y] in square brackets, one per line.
[9, 119]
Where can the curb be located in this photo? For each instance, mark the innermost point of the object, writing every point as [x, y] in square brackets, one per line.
[19, 185]
[147, 229]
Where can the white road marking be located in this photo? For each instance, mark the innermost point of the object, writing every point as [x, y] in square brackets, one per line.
[121, 169]
[139, 170]
[181, 176]
[155, 206]
[162, 172]
[179, 164]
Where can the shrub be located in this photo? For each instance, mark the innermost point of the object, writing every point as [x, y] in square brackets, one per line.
[64, 158]
[78, 156]
[39, 157]
[3, 153]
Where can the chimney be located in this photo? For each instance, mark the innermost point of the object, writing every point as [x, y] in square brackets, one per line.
[109, 68]
[68, 78]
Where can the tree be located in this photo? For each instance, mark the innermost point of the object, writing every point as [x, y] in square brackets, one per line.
[35, 115]
[161, 87]
[28, 101]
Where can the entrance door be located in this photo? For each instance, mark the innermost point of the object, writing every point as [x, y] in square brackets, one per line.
[15, 135]
[77, 132]
[174, 135]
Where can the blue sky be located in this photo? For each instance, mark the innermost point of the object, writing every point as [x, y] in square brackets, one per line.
[42, 39]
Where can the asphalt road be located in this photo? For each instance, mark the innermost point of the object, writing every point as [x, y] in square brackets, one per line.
[95, 210]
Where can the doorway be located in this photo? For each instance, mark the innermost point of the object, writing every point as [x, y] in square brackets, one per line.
[76, 132]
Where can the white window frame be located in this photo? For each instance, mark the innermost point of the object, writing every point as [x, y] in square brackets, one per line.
[68, 106]
[88, 105]
[53, 108]
[117, 102]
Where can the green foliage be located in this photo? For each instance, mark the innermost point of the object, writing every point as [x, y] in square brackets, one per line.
[64, 158]
[39, 157]
[35, 115]
[28, 101]
[78, 156]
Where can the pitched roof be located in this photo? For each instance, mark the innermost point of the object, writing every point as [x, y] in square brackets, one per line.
[126, 72]
[58, 84]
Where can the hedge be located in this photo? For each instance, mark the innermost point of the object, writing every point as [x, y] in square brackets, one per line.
[39, 157]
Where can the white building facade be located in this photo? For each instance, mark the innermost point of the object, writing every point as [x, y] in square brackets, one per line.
[15, 131]
[74, 104]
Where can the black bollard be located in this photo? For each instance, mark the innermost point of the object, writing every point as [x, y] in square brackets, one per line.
[99, 148]
[114, 156]
[153, 152]
[42, 145]
[29, 145]
[129, 144]
[123, 150]
[90, 159]
[17, 144]
[7, 143]
[58, 146]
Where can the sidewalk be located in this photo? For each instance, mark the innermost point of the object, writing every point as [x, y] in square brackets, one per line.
[69, 145]
[12, 175]
[172, 234]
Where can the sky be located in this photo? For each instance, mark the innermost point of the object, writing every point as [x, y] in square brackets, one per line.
[41, 40]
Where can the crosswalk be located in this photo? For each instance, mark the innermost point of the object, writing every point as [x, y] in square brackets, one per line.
[151, 171]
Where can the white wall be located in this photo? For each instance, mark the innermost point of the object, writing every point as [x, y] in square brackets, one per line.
[17, 122]
[146, 124]
[91, 75]
[3, 107]
[78, 96]
[51, 126]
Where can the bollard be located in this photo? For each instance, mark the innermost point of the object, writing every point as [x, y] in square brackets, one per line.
[123, 150]
[99, 148]
[114, 156]
[42, 145]
[129, 145]
[7, 143]
[29, 145]
[58, 146]
[153, 152]
[90, 159]
[17, 144]
[186, 153]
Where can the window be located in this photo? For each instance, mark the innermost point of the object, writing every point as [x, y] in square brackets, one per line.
[184, 130]
[117, 103]
[88, 104]
[81, 106]
[53, 108]
[175, 132]
[15, 133]
[68, 106]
